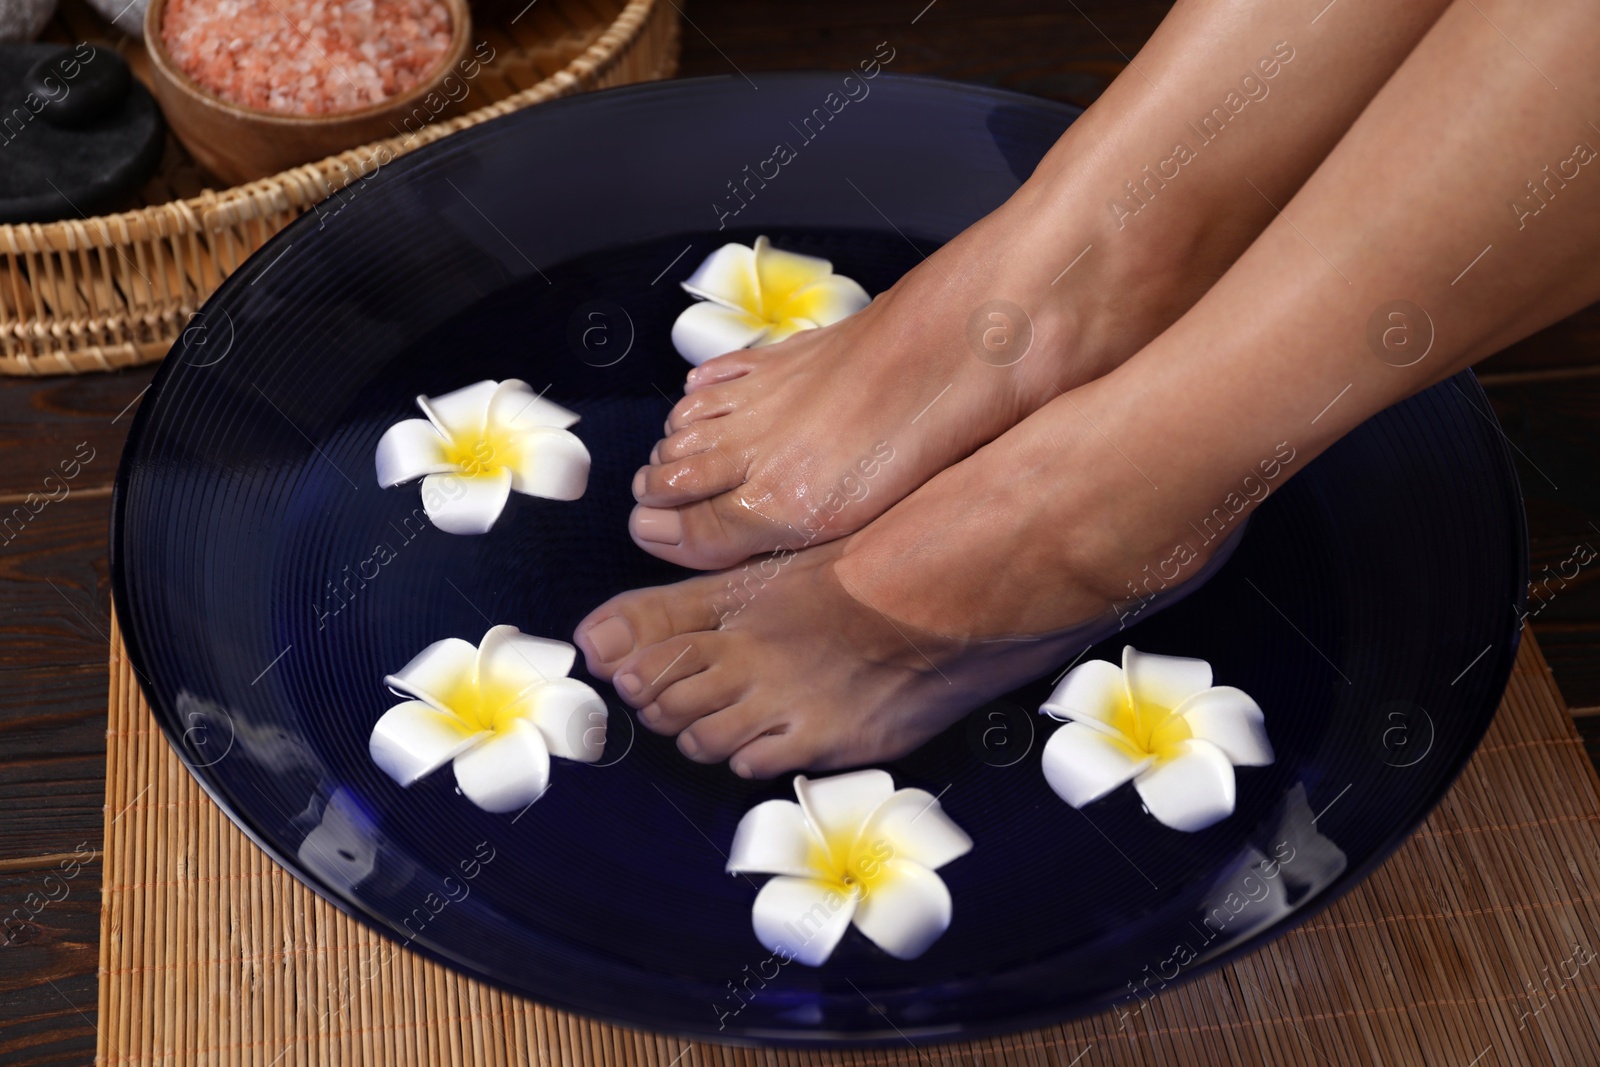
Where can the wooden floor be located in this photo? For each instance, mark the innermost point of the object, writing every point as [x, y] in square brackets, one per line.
[54, 583]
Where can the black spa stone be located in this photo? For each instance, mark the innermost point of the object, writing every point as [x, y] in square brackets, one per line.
[50, 172]
[78, 84]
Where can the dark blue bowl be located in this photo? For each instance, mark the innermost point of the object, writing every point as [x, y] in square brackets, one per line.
[265, 585]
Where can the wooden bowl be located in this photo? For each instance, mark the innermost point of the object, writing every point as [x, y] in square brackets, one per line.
[239, 144]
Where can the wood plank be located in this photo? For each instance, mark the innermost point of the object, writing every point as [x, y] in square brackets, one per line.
[63, 435]
[55, 583]
[52, 775]
[1589, 730]
[1573, 342]
[49, 954]
[1573, 650]
[1564, 590]
[1049, 50]
[1552, 426]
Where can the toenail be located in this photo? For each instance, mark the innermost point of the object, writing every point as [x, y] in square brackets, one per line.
[651, 714]
[638, 484]
[687, 745]
[661, 526]
[742, 769]
[610, 638]
[629, 684]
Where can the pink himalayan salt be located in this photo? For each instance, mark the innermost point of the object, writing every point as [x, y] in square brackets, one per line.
[306, 57]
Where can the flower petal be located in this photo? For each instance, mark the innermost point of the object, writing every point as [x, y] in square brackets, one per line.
[1083, 763]
[1093, 692]
[550, 463]
[727, 277]
[461, 413]
[916, 828]
[773, 838]
[415, 739]
[509, 659]
[801, 918]
[437, 671]
[827, 300]
[572, 718]
[781, 274]
[1165, 681]
[1190, 791]
[462, 504]
[905, 911]
[508, 771]
[706, 330]
[516, 408]
[1231, 720]
[408, 450]
[838, 807]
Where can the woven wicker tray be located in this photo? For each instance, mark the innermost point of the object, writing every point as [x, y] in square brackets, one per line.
[98, 294]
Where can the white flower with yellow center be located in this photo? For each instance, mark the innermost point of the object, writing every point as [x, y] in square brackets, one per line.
[852, 850]
[759, 296]
[1158, 721]
[500, 710]
[479, 443]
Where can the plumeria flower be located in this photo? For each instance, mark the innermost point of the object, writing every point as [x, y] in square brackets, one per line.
[1158, 721]
[759, 296]
[479, 443]
[852, 850]
[500, 710]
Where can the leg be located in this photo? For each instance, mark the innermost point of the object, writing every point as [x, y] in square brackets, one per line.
[1146, 188]
[856, 652]
[1469, 147]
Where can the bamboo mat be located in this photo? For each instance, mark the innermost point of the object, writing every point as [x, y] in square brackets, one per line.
[1475, 945]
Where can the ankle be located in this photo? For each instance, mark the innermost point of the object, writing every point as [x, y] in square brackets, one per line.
[1163, 477]
[1093, 296]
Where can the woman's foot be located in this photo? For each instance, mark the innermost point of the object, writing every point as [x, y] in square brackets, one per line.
[860, 650]
[796, 673]
[802, 442]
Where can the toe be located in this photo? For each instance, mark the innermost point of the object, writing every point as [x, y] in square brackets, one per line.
[723, 368]
[659, 531]
[684, 702]
[703, 406]
[709, 534]
[645, 617]
[714, 737]
[683, 481]
[692, 440]
[641, 677]
[772, 754]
